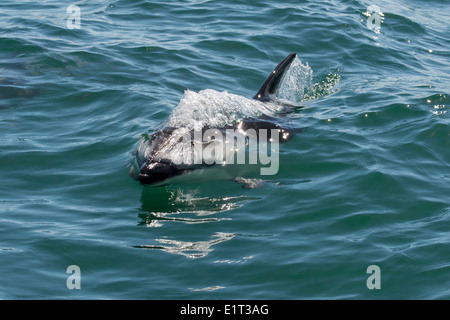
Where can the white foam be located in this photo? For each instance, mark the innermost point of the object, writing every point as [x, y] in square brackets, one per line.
[211, 108]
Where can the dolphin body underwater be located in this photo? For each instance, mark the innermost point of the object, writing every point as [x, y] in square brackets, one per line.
[157, 157]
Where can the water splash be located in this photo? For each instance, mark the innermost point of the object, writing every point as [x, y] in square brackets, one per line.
[325, 87]
[297, 82]
[211, 108]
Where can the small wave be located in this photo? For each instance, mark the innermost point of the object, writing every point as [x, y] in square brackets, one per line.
[326, 86]
[298, 84]
[211, 108]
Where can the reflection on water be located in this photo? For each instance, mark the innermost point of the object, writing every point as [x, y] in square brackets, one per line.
[189, 205]
[189, 249]
[185, 204]
[156, 219]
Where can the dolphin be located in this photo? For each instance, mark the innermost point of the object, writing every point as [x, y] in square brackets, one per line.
[155, 157]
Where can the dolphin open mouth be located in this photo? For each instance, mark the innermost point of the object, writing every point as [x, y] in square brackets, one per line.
[157, 171]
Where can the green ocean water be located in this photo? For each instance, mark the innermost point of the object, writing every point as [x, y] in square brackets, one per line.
[365, 183]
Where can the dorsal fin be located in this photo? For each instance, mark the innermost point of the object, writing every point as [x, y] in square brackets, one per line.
[272, 83]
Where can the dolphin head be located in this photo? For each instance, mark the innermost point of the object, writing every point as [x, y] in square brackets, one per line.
[158, 155]
[154, 171]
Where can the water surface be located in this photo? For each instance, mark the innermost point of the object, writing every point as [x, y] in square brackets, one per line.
[366, 183]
